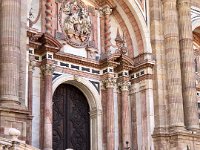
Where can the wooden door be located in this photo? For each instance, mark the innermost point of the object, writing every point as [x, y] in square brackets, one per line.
[71, 120]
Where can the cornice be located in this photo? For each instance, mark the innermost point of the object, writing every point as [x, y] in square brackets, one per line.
[44, 44]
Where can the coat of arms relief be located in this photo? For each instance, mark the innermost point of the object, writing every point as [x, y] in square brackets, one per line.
[75, 23]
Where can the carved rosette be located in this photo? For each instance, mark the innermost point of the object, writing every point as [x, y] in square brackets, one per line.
[75, 23]
[47, 69]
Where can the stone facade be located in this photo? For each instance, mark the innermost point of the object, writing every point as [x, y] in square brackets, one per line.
[137, 63]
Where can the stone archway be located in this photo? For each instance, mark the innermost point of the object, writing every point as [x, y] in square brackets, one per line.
[94, 101]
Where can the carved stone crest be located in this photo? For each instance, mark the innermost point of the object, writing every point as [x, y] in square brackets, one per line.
[75, 22]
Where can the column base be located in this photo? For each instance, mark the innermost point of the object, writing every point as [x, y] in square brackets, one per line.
[18, 118]
[176, 140]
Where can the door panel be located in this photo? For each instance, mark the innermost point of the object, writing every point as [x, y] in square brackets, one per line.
[71, 121]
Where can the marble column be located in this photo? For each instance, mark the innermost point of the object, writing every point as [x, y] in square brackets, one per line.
[174, 84]
[119, 104]
[107, 31]
[187, 64]
[10, 50]
[125, 114]
[104, 104]
[47, 70]
[110, 82]
[49, 17]
[102, 25]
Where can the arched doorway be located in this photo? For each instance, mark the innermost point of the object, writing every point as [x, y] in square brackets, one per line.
[71, 119]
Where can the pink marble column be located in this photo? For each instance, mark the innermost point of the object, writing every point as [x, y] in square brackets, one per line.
[49, 16]
[10, 50]
[187, 65]
[102, 23]
[104, 105]
[110, 114]
[47, 127]
[119, 104]
[125, 114]
[107, 32]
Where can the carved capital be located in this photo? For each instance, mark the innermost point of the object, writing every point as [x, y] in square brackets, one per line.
[47, 69]
[124, 86]
[31, 66]
[133, 89]
[110, 82]
[106, 10]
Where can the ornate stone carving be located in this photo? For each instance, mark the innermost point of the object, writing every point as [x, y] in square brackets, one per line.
[124, 86]
[110, 82]
[75, 22]
[47, 69]
[107, 10]
[31, 65]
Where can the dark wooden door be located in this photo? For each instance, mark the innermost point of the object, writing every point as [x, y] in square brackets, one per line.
[71, 120]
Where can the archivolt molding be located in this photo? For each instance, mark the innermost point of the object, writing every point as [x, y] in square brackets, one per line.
[85, 86]
[143, 27]
[195, 17]
[94, 101]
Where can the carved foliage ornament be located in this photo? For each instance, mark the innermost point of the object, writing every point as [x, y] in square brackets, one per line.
[75, 22]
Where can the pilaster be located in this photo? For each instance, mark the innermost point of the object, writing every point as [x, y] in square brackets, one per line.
[133, 117]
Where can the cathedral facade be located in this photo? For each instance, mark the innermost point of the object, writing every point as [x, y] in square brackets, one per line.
[100, 74]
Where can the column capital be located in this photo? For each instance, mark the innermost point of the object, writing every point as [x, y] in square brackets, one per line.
[184, 3]
[31, 66]
[109, 82]
[105, 10]
[124, 86]
[47, 69]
